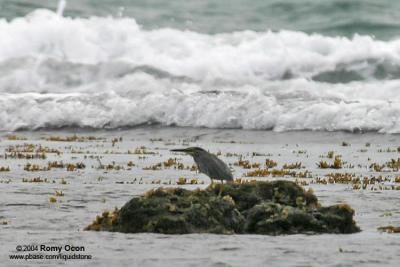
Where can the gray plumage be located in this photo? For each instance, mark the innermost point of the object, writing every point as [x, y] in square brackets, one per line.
[208, 164]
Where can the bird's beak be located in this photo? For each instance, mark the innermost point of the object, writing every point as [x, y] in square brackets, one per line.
[180, 150]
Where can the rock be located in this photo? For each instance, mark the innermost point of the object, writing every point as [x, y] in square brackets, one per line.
[273, 208]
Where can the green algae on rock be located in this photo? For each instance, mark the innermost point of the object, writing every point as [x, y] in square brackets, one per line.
[272, 208]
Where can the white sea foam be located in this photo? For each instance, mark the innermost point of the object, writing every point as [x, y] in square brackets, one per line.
[109, 72]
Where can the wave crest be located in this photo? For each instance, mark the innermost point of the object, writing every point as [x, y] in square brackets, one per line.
[109, 72]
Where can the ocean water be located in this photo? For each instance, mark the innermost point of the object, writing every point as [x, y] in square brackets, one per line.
[31, 219]
[268, 65]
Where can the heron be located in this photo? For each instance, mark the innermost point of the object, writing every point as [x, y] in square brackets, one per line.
[208, 164]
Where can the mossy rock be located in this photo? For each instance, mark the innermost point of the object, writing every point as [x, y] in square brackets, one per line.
[273, 208]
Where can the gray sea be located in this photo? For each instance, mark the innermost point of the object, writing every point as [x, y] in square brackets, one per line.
[33, 212]
[326, 17]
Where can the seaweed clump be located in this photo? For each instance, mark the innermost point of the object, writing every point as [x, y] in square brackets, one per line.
[272, 208]
[389, 229]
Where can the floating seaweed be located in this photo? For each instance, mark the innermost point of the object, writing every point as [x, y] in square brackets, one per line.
[155, 167]
[35, 180]
[269, 163]
[296, 165]
[73, 138]
[141, 151]
[245, 164]
[59, 193]
[337, 163]
[345, 143]
[185, 181]
[76, 166]
[35, 168]
[389, 229]
[13, 137]
[131, 164]
[4, 169]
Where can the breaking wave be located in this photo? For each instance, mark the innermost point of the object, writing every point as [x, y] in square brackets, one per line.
[105, 72]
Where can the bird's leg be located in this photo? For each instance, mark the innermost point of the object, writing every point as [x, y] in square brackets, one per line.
[221, 187]
[220, 191]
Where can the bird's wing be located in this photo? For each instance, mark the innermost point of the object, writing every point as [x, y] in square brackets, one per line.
[221, 169]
